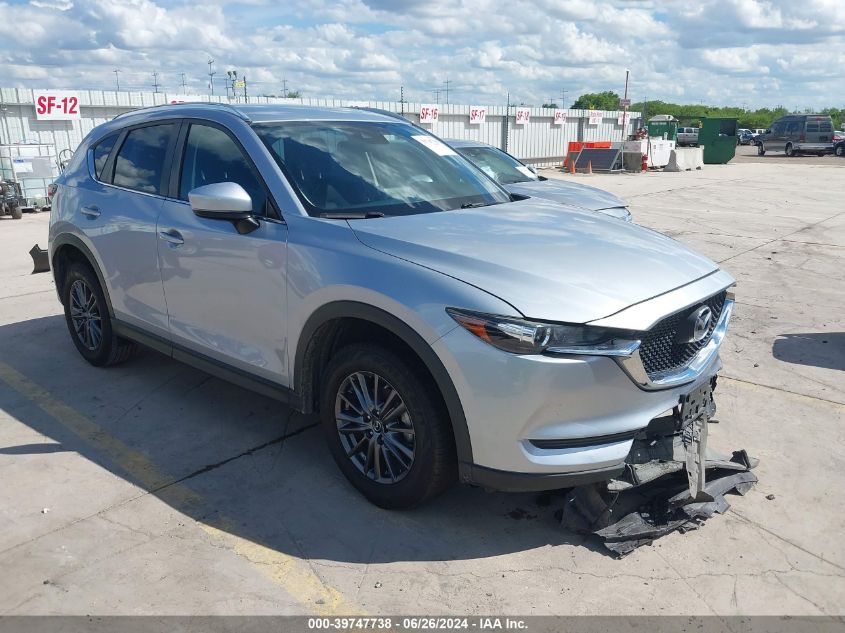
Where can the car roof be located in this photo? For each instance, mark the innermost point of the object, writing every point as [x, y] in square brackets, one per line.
[259, 113]
[457, 143]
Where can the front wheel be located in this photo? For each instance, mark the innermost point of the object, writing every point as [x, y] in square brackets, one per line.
[387, 427]
[761, 151]
[789, 150]
[840, 150]
[88, 320]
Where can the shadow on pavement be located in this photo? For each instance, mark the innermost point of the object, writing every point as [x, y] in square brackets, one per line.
[817, 349]
[253, 468]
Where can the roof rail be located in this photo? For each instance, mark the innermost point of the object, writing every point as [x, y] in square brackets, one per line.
[226, 106]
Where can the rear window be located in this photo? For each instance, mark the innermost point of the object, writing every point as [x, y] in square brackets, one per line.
[140, 161]
[812, 127]
[101, 154]
[825, 127]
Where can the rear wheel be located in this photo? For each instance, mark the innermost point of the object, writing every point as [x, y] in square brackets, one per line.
[88, 320]
[761, 151]
[17, 213]
[387, 427]
[789, 150]
[840, 150]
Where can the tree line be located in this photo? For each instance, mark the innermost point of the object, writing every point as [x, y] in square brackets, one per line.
[692, 114]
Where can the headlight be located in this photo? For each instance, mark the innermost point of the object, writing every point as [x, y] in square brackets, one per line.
[519, 336]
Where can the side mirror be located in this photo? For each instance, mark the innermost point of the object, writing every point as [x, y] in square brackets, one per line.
[221, 201]
[533, 169]
[224, 201]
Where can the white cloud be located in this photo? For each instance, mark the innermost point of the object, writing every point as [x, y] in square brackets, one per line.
[719, 51]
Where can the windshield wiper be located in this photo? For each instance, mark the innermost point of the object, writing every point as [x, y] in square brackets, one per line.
[473, 205]
[347, 215]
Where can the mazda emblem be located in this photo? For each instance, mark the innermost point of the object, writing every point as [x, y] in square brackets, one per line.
[696, 326]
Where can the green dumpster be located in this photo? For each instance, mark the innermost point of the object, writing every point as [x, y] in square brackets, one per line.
[718, 137]
[663, 129]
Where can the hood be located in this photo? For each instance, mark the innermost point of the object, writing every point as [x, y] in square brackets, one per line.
[571, 193]
[548, 261]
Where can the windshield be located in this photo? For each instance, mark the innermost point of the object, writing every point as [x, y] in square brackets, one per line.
[501, 167]
[367, 168]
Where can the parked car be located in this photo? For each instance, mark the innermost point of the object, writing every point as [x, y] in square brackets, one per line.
[798, 134]
[355, 266]
[518, 178]
[744, 137]
[687, 136]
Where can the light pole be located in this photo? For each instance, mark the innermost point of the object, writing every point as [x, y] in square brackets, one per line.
[117, 78]
[211, 77]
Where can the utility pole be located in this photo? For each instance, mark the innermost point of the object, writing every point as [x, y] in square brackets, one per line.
[402, 99]
[284, 88]
[246, 96]
[447, 82]
[562, 99]
[116, 72]
[184, 84]
[436, 94]
[211, 77]
[155, 82]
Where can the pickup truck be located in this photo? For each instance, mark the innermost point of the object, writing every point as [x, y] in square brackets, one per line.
[687, 136]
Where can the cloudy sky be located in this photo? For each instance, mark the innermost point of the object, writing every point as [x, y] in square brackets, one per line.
[725, 52]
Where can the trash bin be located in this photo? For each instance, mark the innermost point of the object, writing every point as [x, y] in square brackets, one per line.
[718, 137]
[667, 130]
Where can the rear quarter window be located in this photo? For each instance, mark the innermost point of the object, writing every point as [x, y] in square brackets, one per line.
[101, 154]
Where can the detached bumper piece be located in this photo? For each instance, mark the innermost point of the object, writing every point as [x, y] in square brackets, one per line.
[672, 481]
[40, 260]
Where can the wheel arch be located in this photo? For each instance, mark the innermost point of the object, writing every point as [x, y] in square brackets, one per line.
[318, 339]
[67, 249]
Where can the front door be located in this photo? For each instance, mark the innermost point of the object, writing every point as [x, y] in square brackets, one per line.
[225, 291]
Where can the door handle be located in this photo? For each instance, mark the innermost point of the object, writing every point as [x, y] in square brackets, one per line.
[172, 236]
[91, 211]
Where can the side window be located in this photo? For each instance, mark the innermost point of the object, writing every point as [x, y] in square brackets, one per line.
[778, 128]
[140, 161]
[792, 127]
[101, 154]
[212, 156]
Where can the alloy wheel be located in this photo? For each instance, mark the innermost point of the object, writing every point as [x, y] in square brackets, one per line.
[85, 315]
[375, 427]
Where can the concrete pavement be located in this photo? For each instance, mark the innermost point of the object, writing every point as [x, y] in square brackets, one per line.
[153, 488]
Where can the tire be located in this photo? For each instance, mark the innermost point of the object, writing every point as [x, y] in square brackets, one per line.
[789, 150]
[840, 150]
[391, 468]
[17, 213]
[761, 151]
[88, 320]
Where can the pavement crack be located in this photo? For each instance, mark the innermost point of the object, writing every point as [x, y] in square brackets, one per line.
[250, 451]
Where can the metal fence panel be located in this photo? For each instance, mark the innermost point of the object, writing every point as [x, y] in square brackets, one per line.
[539, 141]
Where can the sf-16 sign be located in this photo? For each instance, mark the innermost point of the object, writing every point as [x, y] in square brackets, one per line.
[429, 113]
[56, 105]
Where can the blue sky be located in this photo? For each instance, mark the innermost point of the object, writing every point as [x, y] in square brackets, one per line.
[737, 52]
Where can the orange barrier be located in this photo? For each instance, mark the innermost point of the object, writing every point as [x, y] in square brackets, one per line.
[575, 147]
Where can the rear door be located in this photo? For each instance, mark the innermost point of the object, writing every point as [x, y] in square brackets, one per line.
[225, 291]
[119, 214]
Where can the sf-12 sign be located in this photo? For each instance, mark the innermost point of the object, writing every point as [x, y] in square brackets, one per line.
[523, 116]
[477, 115]
[560, 117]
[56, 105]
[595, 117]
[429, 113]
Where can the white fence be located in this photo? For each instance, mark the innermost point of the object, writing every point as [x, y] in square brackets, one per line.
[539, 141]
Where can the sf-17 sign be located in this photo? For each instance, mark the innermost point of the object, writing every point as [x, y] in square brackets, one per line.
[56, 105]
[523, 116]
[560, 117]
[477, 115]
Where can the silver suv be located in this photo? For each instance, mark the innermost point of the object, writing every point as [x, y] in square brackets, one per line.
[353, 265]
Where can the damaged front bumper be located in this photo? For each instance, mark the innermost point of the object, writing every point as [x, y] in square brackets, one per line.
[671, 481]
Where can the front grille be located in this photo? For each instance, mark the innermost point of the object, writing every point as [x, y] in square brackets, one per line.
[660, 352]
